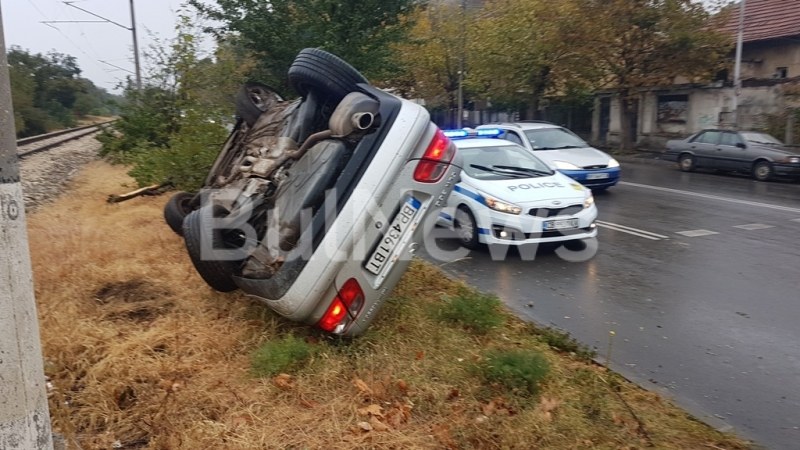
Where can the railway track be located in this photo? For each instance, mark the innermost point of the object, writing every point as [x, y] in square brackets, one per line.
[48, 162]
[43, 142]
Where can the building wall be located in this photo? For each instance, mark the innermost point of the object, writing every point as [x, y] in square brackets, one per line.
[669, 114]
[762, 60]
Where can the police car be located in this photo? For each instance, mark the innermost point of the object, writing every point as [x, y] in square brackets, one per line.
[508, 196]
[564, 151]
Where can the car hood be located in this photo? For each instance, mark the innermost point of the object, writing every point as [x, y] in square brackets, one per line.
[529, 190]
[779, 149]
[581, 157]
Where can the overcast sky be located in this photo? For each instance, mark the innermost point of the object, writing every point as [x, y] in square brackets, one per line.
[98, 47]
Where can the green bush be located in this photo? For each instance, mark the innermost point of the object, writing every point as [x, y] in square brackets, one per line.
[564, 342]
[281, 355]
[474, 310]
[518, 370]
[187, 159]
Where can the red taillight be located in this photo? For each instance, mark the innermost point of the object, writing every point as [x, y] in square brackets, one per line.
[435, 160]
[344, 307]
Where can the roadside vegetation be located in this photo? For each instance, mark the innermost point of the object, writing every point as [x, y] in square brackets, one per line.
[141, 354]
[49, 94]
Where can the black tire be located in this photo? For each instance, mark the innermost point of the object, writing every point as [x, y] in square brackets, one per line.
[253, 99]
[686, 163]
[466, 228]
[176, 209]
[319, 70]
[217, 274]
[763, 171]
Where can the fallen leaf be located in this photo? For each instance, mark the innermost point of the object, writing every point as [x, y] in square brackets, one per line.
[454, 394]
[371, 410]
[310, 404]
[403, 386]
[548, 404]
[377, 425]
[283, 381]
[420, 355]
[362, 387]
[364, 426]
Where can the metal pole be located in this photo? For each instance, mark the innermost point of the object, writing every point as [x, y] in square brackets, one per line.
[132, 29]
[136, 51]
[461, 65]
[737, 68]
[24, 415]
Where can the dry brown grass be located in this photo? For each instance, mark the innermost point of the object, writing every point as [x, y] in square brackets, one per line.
[141, 354]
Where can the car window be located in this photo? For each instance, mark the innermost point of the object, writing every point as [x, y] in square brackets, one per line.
[554, 138]
[707, 137]
[729, 139]
[513, 137]
[760, 138]
[507, 156]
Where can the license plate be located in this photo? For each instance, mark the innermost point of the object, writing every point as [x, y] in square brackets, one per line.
[596, 176]
[560, 224]
[386, 246]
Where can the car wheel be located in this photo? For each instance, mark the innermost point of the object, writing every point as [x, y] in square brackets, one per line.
[686, 162]
[253, 99]
[466, 228]
[575, 245]
[217, 274]
[176, 209]
[763, 171]
[317, 69]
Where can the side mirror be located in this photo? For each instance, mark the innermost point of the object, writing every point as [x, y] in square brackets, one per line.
[741, 145]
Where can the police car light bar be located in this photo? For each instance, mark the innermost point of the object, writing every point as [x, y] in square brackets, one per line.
[464, 133]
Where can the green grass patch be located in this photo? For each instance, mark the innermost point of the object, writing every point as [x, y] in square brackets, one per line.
[519, 370]
[563, 342]
[280, 355]
[472, 309]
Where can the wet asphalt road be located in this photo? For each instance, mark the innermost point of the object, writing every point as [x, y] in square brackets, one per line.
[698, 277]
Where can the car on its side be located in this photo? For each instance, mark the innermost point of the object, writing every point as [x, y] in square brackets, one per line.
[752, 152]
[313, 205]
[564, 151]
[508, 196]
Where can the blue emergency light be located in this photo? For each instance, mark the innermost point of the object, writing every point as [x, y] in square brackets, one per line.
[468, 132]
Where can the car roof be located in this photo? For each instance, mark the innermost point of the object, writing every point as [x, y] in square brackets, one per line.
[527, 125]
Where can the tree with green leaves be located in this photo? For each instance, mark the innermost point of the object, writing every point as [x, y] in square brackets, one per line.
[645, 43]
[431, 57]
[172, 129]
[360, 32]
[523, 50]
[48, 92]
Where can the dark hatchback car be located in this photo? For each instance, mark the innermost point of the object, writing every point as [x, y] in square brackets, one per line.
[758, 154]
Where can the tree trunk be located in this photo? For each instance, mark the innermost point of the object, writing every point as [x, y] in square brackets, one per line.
[625, 114]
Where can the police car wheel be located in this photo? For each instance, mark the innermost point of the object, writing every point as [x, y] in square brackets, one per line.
[466, 228]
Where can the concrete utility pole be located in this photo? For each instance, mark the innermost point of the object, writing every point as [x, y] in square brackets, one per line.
[737, 67]
[24, 415]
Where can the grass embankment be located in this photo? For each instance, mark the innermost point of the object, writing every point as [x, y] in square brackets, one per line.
[142, 354]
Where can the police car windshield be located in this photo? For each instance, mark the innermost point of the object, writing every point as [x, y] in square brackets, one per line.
[501, 163]
[554, 139]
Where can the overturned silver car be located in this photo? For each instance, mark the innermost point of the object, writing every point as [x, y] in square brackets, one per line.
[314, 206]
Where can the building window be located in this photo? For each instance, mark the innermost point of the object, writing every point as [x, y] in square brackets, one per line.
[781, 72]
[673, 108]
